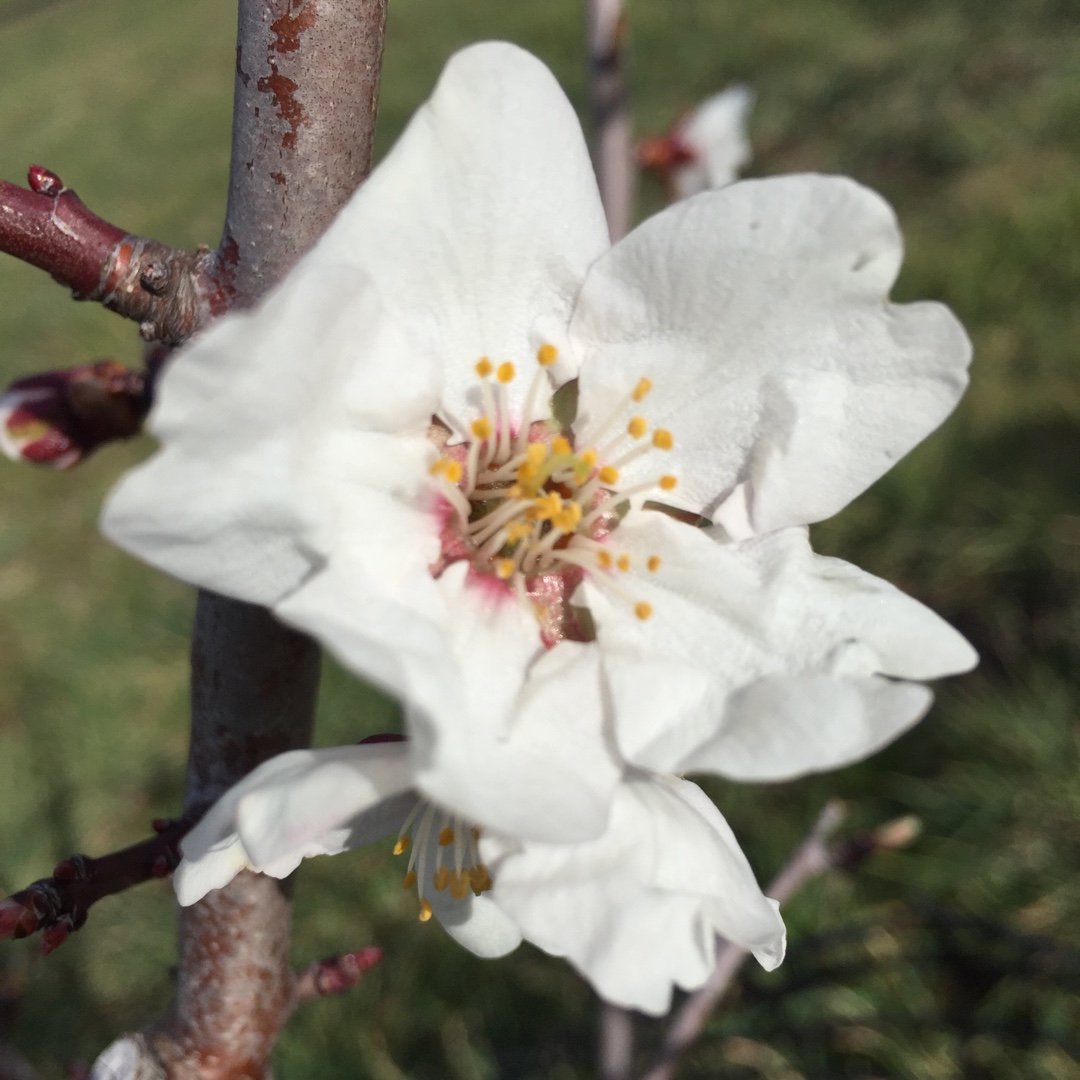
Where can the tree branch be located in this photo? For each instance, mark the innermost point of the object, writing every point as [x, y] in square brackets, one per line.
[616, 1042]
[613, 150]
[59, 905]
[334, 975]
[169, 292]
[812, 858]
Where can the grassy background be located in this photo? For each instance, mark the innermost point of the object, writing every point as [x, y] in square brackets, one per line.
[957, 958]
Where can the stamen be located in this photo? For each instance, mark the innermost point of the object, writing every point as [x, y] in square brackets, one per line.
[425, 910]
[623, 563]
[546, 355]
[446, 836]
[409, 880]
[637, 427]
[643, 610]
[668, 483]
[506, 372]
[662, 439]
[484, 367]
[402, 845]
[609, 475]
[642, 389]
[481, 428]
[653, 564]
[441, 878]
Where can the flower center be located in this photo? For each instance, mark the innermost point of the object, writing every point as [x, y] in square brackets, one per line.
[444, 854]
[526, 502]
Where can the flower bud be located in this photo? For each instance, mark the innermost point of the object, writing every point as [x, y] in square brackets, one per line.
[57, 418]
[17, 920]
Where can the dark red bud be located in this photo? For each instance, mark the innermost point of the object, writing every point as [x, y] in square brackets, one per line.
[16, 919]
[44, 181]
[54, 937]
[65, 871]
[161, 867]
[161, 824]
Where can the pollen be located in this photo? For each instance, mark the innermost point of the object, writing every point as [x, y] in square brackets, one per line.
[643, 610]
[535, 454]
[504, 568]
[561, 446]
[481, 428]
[402, 845]
[484, 367]
[669, 483]
[609, 475]
[637, 427]
[662, 439]
[603, 560]
[480, 879]
[425, 910]
[653, 564]
[546, 355]
[409, 880]
[453, 472]
[623, 563]
[506, 372]
[545, 507]
[566, 520]
[441, 878]
[589, 458]
[446, 836]
[641, 391]
[459, 884]
[516, 532]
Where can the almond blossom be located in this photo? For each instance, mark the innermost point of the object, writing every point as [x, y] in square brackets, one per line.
[553, 496]
[637, 910]
[706, 148]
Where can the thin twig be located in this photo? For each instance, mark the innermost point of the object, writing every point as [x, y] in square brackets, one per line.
[58, 905]
[613, 148]
[616, 1042]
[169, 292]
[813, 857]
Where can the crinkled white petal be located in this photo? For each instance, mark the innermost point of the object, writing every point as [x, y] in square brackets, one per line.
[726, 616]
[759, 313]
[716, 131]
[639, 909]
[225, 502]
[296, 805]
[481, 222]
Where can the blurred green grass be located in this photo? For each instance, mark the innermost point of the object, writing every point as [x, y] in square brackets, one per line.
[956, 958]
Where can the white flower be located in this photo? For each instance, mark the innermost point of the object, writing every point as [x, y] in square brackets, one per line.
[706, 148]
[735, 360]
[636, 910]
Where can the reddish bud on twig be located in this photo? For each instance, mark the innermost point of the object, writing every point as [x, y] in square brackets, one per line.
[44, 181]
[54, 937]
[16, 919]
[57, 418]
[336, 974]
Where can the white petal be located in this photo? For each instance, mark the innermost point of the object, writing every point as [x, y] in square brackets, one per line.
[226, 500]
[480, 224]
[758, 311]
[638, 910]
[305, 802]
[726, 616]
[476, 922]
[343, 797]
[716, 130]
[528, 753]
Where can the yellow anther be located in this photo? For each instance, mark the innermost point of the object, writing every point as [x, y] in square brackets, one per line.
[662, 440]
[459, 884]
[480, 878]
[402, 845]
[642, 389]
[561, 446]
[453, 472]
[481, 428]
[642, 610]
[653, 563]
[506, 372]
[668, 483]
[603, 560]
[623, 563]
[484, 367]
[517, 531]
[567, 518]
[446, 837]
[589, 458]
[425, 911]
[546, 355]
[536, 454]
[637, 427]
[504, 568]
[438, 466]
[545, 507]
[409, 880]
[514, 491]
[608, 475]
[441, 878]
